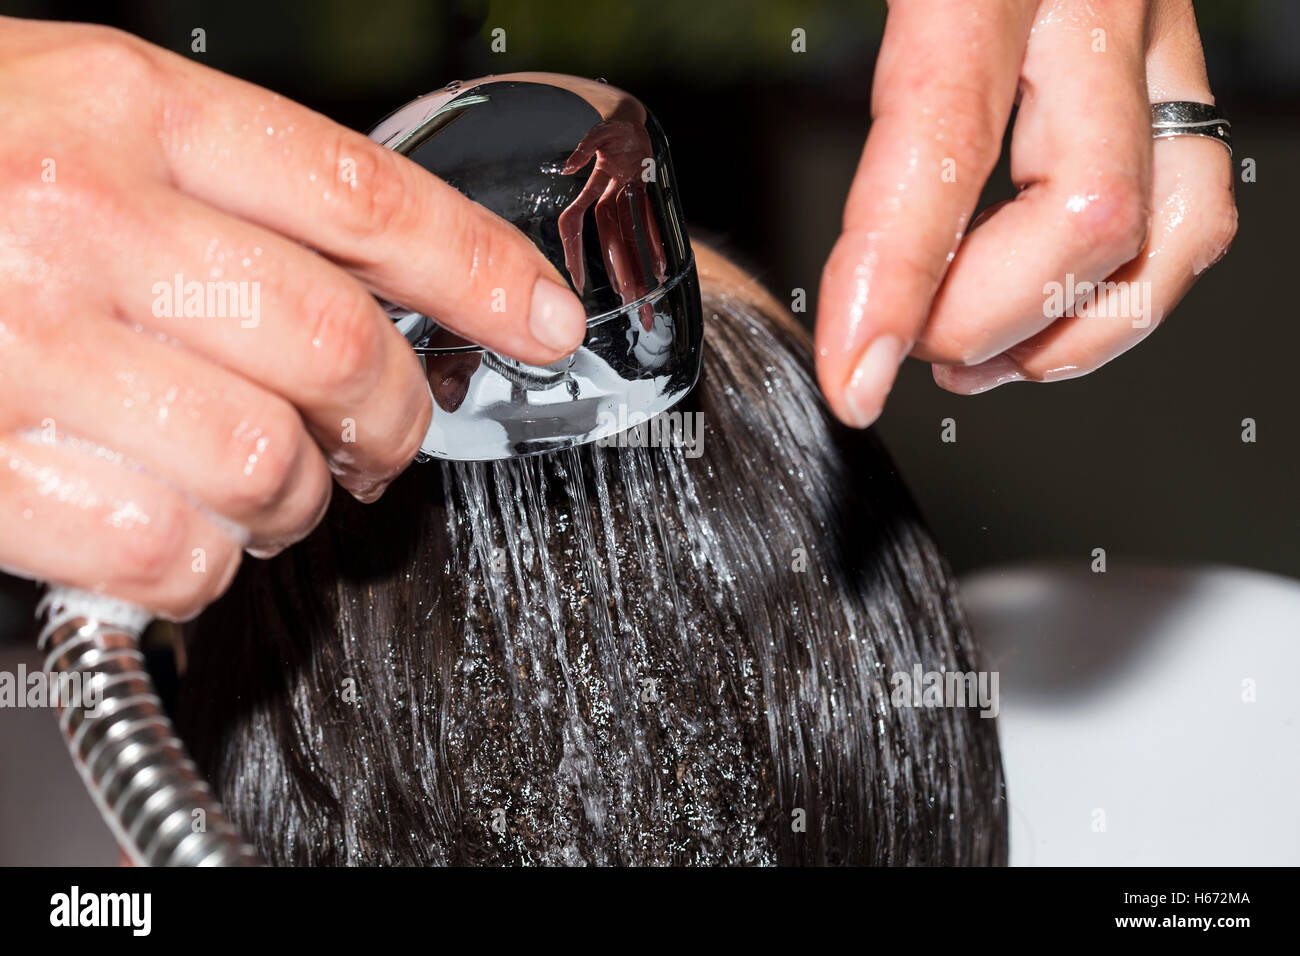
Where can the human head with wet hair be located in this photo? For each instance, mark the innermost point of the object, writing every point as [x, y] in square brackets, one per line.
[611, 655]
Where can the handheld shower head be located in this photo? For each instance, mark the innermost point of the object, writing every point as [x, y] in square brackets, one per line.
[583, 170]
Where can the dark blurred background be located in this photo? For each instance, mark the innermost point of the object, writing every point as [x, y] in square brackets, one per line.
[1143, 458]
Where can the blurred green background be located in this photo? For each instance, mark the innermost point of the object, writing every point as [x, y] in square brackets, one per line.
[1143, 458]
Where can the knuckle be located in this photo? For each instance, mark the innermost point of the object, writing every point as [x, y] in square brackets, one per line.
[345, 342]
[972, 135]
[265, 458]
[152, 553]
[389, 457]
[100, 201]
[108, 56]
[80, 193]
[314, 505]
[1116, 222]
[404, 450]
[373, 188]
[394, 429]
[187, 595]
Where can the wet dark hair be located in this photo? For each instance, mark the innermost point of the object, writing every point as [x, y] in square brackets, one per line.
[610, 655]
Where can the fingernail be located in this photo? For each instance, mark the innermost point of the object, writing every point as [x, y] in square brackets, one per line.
[872, 379]
[556, 319]
[371, 493]
[265, 553]
[973, 379]
[366, 488]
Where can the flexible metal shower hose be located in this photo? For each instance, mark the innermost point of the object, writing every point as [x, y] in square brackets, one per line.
[136, 768]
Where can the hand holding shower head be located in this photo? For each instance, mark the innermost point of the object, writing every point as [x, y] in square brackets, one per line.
[583, 170]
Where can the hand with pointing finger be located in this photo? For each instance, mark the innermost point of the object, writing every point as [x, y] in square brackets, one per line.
[148, 439]
[1099, 201]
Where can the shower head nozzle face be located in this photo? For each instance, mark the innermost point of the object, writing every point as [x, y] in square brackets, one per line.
[583, 170]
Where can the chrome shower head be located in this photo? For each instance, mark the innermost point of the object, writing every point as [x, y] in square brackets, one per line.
[583, 170]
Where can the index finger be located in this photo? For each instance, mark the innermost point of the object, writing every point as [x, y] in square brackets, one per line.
[409, 236]
[944, 86]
